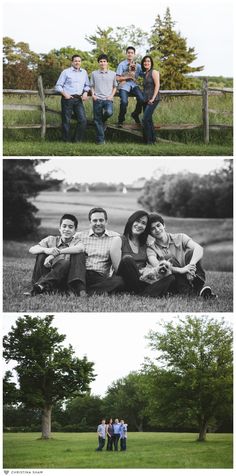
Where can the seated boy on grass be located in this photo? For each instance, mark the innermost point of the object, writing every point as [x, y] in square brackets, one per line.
[54, 270]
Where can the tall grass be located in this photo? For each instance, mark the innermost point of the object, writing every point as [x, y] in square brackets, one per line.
[171, 111]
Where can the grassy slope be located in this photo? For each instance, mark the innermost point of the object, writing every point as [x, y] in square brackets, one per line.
[144, 450]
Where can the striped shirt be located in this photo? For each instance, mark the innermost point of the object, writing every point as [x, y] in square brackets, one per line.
[97, 250]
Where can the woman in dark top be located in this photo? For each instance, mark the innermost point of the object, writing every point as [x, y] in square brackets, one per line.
[151, 98]
[129, 257]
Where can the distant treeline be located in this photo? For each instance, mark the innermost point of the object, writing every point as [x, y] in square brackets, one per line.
[191, 195]
[170, 52]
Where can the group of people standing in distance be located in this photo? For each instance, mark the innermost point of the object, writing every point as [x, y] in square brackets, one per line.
[74, 85]
[114, 432]
[144, 260]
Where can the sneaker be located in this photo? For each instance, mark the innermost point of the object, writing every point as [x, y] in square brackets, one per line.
[207, 293]
[83, 293]
[136, 118]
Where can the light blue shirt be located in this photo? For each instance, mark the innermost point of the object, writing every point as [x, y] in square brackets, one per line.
[122, 68]
[73, 81]
[123, 430]
[116, 427]
[102, 431]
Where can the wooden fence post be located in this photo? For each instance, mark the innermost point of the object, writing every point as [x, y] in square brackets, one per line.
[43, 107]
[205, 112]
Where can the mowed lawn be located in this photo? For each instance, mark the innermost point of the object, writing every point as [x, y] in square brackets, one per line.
[18, 264]
[144, 450]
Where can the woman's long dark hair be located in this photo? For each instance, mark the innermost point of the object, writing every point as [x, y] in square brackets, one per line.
[142, 62]
[128, 227]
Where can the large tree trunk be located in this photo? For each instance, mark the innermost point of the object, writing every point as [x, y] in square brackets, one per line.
[46, 422]
[203, 431]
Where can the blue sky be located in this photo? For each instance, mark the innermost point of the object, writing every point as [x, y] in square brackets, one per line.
[46, 24]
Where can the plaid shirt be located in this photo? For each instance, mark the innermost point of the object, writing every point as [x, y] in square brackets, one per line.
[56, 242]
[97, 250]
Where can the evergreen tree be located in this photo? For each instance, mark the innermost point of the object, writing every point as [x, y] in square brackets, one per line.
[172, 53]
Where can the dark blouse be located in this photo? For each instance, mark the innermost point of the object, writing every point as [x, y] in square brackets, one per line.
[149, 87]
[140, 258]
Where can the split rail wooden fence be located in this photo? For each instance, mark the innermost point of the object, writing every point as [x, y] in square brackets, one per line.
[43, 93]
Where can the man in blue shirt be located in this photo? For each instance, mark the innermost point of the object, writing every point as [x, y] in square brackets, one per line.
[116, 435]
[126, 74]
[73, 84]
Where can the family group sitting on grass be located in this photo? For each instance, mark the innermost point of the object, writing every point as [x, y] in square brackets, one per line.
[74, 85]
[145, 260]
[114, 432]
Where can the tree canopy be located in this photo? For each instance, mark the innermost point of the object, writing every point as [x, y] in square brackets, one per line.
[169, 49]
[46, 371]
[197, 356]
[188, 194]
[22, 183]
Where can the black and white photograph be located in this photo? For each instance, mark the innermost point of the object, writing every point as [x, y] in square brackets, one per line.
[128, 235]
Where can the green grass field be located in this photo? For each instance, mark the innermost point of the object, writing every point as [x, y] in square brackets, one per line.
[144, 450]
[215, 235]
[187, 110]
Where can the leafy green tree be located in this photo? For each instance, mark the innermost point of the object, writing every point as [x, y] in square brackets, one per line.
[174, 56]
[127, 398]
[47, 372]
[196, 354]
[19, 65]
[104, 41]
[191, 195]
[52, 64]
[21, 183]
[84, 412]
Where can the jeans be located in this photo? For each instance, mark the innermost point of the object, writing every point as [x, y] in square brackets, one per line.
[64, 274]
[99, 284]
[68, 107]
[148, 126]
[123, 444]
[102, 110]
[130, 273]
[116, 440]
[101, 443]
[181, 284]
[124, 97]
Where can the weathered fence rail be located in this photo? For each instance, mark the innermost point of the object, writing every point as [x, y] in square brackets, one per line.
[42, 93]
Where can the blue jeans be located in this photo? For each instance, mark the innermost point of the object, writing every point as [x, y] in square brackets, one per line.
[102, 110]
[68, 107]
[124, 97]
[148, 126]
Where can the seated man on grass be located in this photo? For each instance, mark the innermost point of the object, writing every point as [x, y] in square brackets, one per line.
[97, 243]
[179, 253]
[54, 270]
